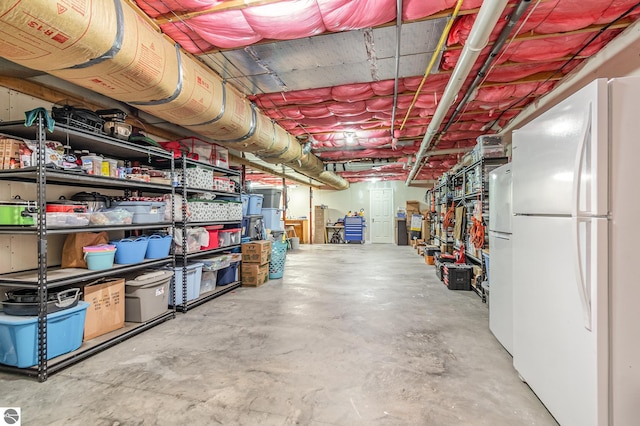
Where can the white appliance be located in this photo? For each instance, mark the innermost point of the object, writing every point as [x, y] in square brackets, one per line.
[576, 287]
[500, 259]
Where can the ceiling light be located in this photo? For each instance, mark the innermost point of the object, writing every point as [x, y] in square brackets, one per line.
[350, 138]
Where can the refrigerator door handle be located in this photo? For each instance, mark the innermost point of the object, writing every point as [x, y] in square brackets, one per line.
[583, 291]
[577, 165]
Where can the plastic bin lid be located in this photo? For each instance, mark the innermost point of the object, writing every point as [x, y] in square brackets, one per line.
[22, 320]
[149, 278]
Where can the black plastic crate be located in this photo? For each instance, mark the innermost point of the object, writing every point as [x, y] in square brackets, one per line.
[457, 277]
[439, 268]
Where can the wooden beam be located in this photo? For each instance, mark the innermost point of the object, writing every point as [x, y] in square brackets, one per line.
[220, 7]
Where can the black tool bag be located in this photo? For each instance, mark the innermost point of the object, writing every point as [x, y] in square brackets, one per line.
[80, 118]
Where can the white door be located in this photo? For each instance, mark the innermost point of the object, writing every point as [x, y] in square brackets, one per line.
[561, 357]
[381, 222]
[501, 294]
[560, 158]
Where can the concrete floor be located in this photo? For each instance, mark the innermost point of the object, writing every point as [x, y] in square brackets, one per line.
[352, 335]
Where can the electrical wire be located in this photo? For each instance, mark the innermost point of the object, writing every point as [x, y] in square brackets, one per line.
[448, 217]
[443, 39]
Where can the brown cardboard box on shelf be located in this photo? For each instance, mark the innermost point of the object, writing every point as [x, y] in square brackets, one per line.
[256, 252]
[254, 275]
[106, 310]
[9, 153]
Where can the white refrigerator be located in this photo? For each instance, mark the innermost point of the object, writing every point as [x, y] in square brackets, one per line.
[500, 257]
[576, 281]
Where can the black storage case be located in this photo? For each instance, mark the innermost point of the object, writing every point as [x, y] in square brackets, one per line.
[457, 277]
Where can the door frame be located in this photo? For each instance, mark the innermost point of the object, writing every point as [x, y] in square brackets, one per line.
[391, 229]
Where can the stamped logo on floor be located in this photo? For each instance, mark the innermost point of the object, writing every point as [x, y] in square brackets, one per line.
[10, 416]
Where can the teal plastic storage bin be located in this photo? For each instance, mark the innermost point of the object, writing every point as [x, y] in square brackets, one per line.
[194, 276]
[19, 335]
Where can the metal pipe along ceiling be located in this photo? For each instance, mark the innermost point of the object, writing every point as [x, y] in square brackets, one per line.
[488, 16]
[112, 50]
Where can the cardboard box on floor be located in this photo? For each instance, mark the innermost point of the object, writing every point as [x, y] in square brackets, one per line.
[254, 274]
[106, 310]
[256, 252]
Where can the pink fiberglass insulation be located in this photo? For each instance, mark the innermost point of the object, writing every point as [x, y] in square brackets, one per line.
[187, 38]
[225, 30]
[355, 119]
[386, 87]
[348, 109]
[379, 104]
[511, 92]
[352, 92]
[286, 20]
[315, 111]
[518, 71]
[554, 16]
[545, 49]
[416, 9]
[155, 8]
[345, 15]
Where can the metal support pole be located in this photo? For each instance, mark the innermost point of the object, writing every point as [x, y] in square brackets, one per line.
[42, 252]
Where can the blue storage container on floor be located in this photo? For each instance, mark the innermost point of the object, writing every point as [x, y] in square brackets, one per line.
[194, 276]
[271, 218]
[255, 204]
[19, 335]
[229, 274]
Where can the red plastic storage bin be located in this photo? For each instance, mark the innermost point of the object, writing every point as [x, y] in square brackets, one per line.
[213, 237]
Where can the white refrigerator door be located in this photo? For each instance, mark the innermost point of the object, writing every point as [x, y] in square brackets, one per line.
[500, 210]
[501, 289]
[560, 158]
[560, 345]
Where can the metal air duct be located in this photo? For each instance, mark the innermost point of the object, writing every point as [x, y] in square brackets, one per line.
[107, 47]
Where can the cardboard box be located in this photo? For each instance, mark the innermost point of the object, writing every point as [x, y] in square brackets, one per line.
[256, 252]
[254, 275]
[10, 153]
[106, 309]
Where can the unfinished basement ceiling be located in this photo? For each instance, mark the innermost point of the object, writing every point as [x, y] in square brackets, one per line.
[347, 78]
[325, 70]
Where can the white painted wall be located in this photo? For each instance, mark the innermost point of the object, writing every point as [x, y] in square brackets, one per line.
[354, 198]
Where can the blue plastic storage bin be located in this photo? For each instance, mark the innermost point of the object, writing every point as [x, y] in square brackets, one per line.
[228, 275]
[19, 335]
[255, 204]
[158, 246]
[129, 250]
[245, 204]
[194, 276]
[271, 219]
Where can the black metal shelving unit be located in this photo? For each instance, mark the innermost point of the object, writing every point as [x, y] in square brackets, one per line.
[182, 259]
[467, 187]
[44, 277]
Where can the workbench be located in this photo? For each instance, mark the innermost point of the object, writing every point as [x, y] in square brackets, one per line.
[302, 228]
